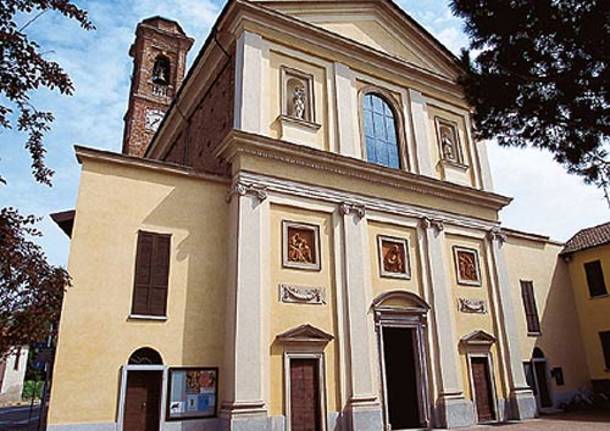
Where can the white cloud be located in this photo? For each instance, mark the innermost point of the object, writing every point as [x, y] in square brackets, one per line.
[546, 199]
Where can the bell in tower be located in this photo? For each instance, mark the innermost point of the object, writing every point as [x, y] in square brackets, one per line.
[159, 64]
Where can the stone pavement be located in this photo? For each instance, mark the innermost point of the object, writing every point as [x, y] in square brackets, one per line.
[576, 421]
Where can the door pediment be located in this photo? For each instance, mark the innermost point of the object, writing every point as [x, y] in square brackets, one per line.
[304, 334]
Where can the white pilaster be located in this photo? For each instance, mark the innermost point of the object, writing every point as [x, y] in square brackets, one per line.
[248, 265]
[419, 112]
[252, 56]
[486, 177]
[522, 399]
[452, 409]
[346, 103]
[363, 407]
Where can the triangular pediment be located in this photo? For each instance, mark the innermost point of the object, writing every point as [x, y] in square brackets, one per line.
[377, 24]
[478, 338]
[304, 334]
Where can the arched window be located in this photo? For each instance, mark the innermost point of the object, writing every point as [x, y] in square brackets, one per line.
[380, 131]
[160, 75]
[145, 356]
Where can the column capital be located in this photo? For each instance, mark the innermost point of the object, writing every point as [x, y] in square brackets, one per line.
[242, 189]
[437, 225]
[496, 234]
[346, 208]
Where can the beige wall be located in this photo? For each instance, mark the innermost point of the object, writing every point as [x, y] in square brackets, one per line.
[283, 317]
[96, 335]
[594, 313]
[538, 261]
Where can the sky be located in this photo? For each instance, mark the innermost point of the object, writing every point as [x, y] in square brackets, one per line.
[546, 199]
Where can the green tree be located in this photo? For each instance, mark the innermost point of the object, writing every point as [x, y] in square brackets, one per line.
[538, 75]
[31, 289]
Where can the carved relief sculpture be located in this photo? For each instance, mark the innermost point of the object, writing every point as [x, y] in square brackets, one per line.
[474, 306]
[301, 295]
[300, 246]
[467, 266]
[393, 257]
[448, 137]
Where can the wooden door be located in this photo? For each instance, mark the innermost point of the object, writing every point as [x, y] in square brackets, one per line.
[542, 386]
[482, 389]
[143, 401]
[304, 395]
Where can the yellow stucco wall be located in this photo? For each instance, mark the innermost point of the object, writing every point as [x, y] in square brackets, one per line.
[96, 337]
[283, 317]
[538, 262]
[594, 313]
[384, 284]
[467, 323]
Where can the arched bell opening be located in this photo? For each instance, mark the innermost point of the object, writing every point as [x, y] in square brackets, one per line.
[401, 321]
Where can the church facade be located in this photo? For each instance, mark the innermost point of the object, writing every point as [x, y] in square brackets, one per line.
[302, 234]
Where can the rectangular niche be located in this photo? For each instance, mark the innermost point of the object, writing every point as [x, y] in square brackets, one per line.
[467, 267]
[297, 118]
[393, 257]
[300, 246]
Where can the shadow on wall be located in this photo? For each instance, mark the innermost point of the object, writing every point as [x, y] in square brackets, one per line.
[561, 341]
[198, 209]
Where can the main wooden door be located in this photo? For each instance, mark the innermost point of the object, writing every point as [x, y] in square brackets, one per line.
[483, 394]
[401, 382]
[305, 412]
[143, 401]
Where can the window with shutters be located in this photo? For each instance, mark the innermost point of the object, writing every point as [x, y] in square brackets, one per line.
[595, 279]
[529, 305]
[151, 275]
[605, 339]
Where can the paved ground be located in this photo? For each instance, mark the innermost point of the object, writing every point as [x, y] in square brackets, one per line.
[18, 418]
[580, 421]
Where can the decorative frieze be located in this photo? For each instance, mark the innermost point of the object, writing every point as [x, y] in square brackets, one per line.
[243, 189]
[302, 295]
[472, 306]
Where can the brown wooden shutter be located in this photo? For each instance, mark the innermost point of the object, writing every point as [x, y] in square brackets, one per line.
[529, 304]
[151, 274]
[595, 279]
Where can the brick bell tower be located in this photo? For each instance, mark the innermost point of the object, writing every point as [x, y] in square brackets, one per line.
[159, 63]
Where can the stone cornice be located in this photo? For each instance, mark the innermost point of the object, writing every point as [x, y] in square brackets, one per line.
[242, 143]
[84, 154]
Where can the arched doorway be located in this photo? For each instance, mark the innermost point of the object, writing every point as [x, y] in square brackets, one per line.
[537, 378]
[141, 391]
[400, 320]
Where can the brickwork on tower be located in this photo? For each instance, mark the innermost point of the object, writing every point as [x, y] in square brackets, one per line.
[159, 64]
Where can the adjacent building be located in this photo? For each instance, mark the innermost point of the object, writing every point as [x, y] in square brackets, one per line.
[12, 374]
[588, 257]
[302, 234]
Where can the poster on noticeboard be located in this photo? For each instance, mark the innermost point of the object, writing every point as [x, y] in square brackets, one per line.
[193, 393]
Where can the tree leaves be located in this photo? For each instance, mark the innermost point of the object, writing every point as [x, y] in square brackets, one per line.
[31, 290]
[542, 78]
[23, 69]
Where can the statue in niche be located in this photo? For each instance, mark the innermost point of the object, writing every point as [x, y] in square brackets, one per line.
[448, 143]
[299, 103]
[299, 249]
[393, 259]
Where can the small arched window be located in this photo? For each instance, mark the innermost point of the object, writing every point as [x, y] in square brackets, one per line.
[380, 131]
[145, 356]
[161, 71]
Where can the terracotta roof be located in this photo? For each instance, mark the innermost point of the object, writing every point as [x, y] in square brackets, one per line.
[588, 238]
